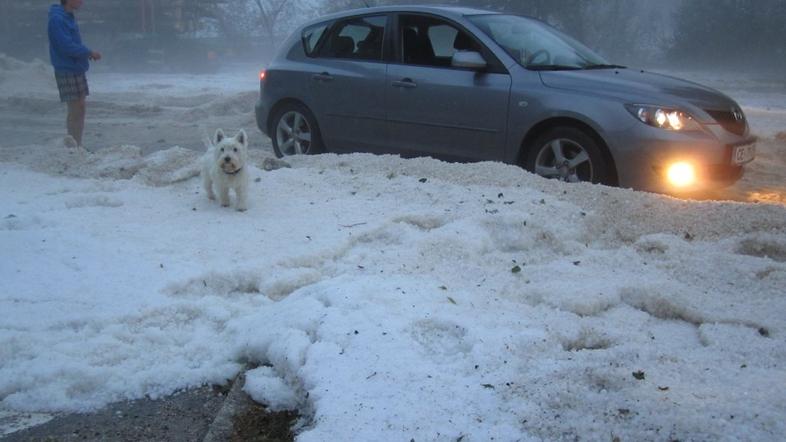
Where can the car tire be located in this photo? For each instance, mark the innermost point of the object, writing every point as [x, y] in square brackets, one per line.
[568, 154]
[295, 131]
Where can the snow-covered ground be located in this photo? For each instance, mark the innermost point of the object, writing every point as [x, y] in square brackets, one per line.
[385, 299]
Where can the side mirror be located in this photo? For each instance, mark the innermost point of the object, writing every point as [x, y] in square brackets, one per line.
[468, 59]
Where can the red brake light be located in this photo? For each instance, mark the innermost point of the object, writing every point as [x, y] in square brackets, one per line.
[261, 75]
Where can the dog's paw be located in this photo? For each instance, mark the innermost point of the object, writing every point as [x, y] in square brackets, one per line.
[242, 203]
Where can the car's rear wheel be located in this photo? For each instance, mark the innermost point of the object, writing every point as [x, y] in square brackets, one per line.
[568, 154]
[295, 132]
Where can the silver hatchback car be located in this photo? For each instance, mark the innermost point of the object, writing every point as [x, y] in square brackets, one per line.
[472, 85]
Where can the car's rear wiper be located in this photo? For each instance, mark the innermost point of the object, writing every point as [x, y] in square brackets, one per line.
[604, 66]
[552, 67]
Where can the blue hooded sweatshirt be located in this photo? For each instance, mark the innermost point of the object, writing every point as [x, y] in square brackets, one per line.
[66, 50]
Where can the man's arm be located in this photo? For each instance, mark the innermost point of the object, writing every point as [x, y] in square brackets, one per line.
[62, 40]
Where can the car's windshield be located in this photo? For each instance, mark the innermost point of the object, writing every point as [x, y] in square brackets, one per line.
[536, 45]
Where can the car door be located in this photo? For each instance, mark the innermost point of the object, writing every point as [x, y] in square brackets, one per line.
[348, 85]
[441, 110]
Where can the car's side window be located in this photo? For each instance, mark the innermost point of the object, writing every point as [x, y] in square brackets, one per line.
[359, 38]
[429, 41]
[311, 37]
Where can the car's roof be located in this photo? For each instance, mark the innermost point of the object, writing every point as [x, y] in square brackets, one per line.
[450, 11]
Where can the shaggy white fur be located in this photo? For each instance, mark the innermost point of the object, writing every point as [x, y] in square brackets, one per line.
[224, 166]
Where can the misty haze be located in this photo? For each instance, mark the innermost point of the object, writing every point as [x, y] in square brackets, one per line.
[167, 47]
[373, 297]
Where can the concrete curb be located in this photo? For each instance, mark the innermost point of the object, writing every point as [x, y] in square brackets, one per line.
[236, 402]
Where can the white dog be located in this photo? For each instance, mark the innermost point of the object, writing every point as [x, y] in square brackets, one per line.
[224, 165]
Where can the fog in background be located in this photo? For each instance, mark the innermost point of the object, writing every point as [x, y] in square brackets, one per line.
[201, 35]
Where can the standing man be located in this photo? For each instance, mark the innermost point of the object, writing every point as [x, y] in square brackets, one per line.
[71, 60]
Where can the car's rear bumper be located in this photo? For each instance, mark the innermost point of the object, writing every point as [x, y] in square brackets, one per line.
[261, 111]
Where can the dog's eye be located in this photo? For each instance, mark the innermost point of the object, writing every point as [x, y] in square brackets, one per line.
[222, 149]
[235, 149]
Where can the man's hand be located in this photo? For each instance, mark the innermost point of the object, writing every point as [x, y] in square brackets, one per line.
[95, 55]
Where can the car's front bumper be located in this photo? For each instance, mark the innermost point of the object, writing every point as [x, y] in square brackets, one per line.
[644, 155]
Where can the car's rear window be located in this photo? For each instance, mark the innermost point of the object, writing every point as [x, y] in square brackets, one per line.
[311, 37]
[358, 38]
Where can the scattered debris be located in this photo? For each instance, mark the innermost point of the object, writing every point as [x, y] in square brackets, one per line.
[269, 164]
[353, 225]
[260, 424]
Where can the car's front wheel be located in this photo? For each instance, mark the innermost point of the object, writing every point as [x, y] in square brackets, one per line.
[295, 131]
[568, 154]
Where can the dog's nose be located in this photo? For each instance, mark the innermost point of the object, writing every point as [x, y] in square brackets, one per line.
[227, 159]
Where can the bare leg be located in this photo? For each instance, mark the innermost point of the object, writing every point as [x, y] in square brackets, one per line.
[75, 122]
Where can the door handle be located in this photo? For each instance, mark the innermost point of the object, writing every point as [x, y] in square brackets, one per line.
[324, 76]
[406, 83]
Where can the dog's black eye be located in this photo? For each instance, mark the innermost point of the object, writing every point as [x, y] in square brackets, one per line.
[222, 149]
[235, 149]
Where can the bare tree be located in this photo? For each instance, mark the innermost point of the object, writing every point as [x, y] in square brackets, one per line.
[267, 18]
[270, 12]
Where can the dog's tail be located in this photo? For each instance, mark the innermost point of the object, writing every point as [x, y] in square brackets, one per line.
[206, 141]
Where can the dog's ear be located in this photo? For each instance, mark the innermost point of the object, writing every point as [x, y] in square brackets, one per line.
[219, 136]
[242, 138]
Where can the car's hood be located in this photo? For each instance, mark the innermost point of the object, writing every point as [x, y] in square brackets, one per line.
[641, 87]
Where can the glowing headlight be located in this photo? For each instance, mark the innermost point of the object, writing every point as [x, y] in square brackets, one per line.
[681, 174]
[664, 118]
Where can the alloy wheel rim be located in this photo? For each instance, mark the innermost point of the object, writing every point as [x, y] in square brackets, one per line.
[565, 160]
[293, 134]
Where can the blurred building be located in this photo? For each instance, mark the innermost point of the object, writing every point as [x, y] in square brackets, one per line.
[132, 34]
[23, 22]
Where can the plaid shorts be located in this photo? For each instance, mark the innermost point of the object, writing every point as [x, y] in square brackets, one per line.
[72, 87]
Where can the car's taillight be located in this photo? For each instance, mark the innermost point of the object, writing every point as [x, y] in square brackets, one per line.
[262, 75]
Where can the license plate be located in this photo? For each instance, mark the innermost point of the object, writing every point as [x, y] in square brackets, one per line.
[744, 154]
